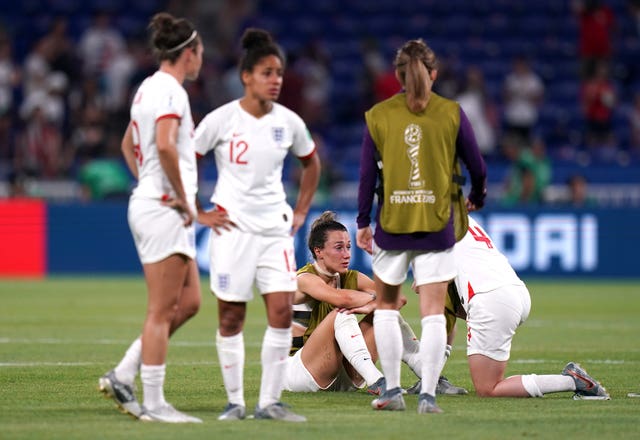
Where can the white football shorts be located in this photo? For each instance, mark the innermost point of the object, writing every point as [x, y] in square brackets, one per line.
[427, 266]
[492, 320]
[299, 379]
[239, 258]
[158, 231]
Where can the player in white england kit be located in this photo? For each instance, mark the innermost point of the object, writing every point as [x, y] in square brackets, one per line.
[159, 150]
[250, 139]
[496, 302]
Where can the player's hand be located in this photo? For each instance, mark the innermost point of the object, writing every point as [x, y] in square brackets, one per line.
[216, 220]
[362, 310]
[183, 209]
[364, 239]
[298, 221]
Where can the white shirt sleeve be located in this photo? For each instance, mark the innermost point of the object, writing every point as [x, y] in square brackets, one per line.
[206, 134]
[303, 144]
[172, 103]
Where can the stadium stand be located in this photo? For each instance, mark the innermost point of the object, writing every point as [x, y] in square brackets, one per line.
[351, 41]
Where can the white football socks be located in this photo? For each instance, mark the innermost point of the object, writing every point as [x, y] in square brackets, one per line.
[353, 347]
[231, 357]
[410, 347]
[432, 347]
[275, 351]
[388, 335]
[539, 385]
[127, 370]
[152, 377]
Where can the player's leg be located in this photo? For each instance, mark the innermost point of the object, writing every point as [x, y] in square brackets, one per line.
[276, 345]
[231, 355]
[432, 342]
[350, 339]
[232, 271]
[276, 279]
[321, 355]
[432, 272]
[165, 280]
[190, 298]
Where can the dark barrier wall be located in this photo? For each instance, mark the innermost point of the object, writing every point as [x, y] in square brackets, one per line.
[95, 239]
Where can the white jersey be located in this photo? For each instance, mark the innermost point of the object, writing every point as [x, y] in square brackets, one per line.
[161, 96]
[481, 267]
[249, 154]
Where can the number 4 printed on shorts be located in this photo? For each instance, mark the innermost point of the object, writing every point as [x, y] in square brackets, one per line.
[479, 235]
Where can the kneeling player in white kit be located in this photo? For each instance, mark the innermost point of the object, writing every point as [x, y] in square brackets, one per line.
[497, 302]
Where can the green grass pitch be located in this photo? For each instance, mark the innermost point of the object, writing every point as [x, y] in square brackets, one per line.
[57, 336]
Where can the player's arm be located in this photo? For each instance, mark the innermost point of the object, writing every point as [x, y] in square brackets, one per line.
[315, 287]
[166, 141]
[309, 179]
[366, 284]
[127, 147]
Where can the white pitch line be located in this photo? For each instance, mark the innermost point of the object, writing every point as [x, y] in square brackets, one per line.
[86, 364]
[55, 341]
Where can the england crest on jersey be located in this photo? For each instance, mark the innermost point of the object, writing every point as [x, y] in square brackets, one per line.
[277, 133]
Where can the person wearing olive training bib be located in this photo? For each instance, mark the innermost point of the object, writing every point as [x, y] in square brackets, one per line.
[412, 144]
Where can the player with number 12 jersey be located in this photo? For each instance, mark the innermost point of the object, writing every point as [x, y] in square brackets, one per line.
[249, 155]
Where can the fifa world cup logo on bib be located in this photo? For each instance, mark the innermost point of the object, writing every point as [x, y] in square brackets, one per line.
[412, 137]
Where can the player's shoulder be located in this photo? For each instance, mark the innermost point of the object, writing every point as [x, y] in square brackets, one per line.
[285, 113]
[222, 114]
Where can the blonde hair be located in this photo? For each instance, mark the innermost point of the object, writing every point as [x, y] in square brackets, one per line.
[414, 63]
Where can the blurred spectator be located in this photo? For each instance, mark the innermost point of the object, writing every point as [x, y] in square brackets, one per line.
[578, 192]
[39, 148]
[100, 44]
[104, 179]
[481, 112]
[386, 85]
[292, 84]
[9, 80]
[523, 91]
[596, 23]
[449, 77]
[9, 75]
[634, 122]
[50, 99]
[117, 77]
[16, 185]
[529, 175]
[380, 76]
[598, 98]
[313, 66]
[36, 69]
[89, 138]
[61, 49]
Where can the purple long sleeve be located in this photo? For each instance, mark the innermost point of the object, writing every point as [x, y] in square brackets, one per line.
[368, 179]
[467, 149]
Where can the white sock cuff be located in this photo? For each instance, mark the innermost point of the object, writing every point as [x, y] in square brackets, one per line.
[433, 319]
[229, 340]
[153, 368]
[152, 373]
[385, 315]
[529, 384]
[278, 337]
[344, 319]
